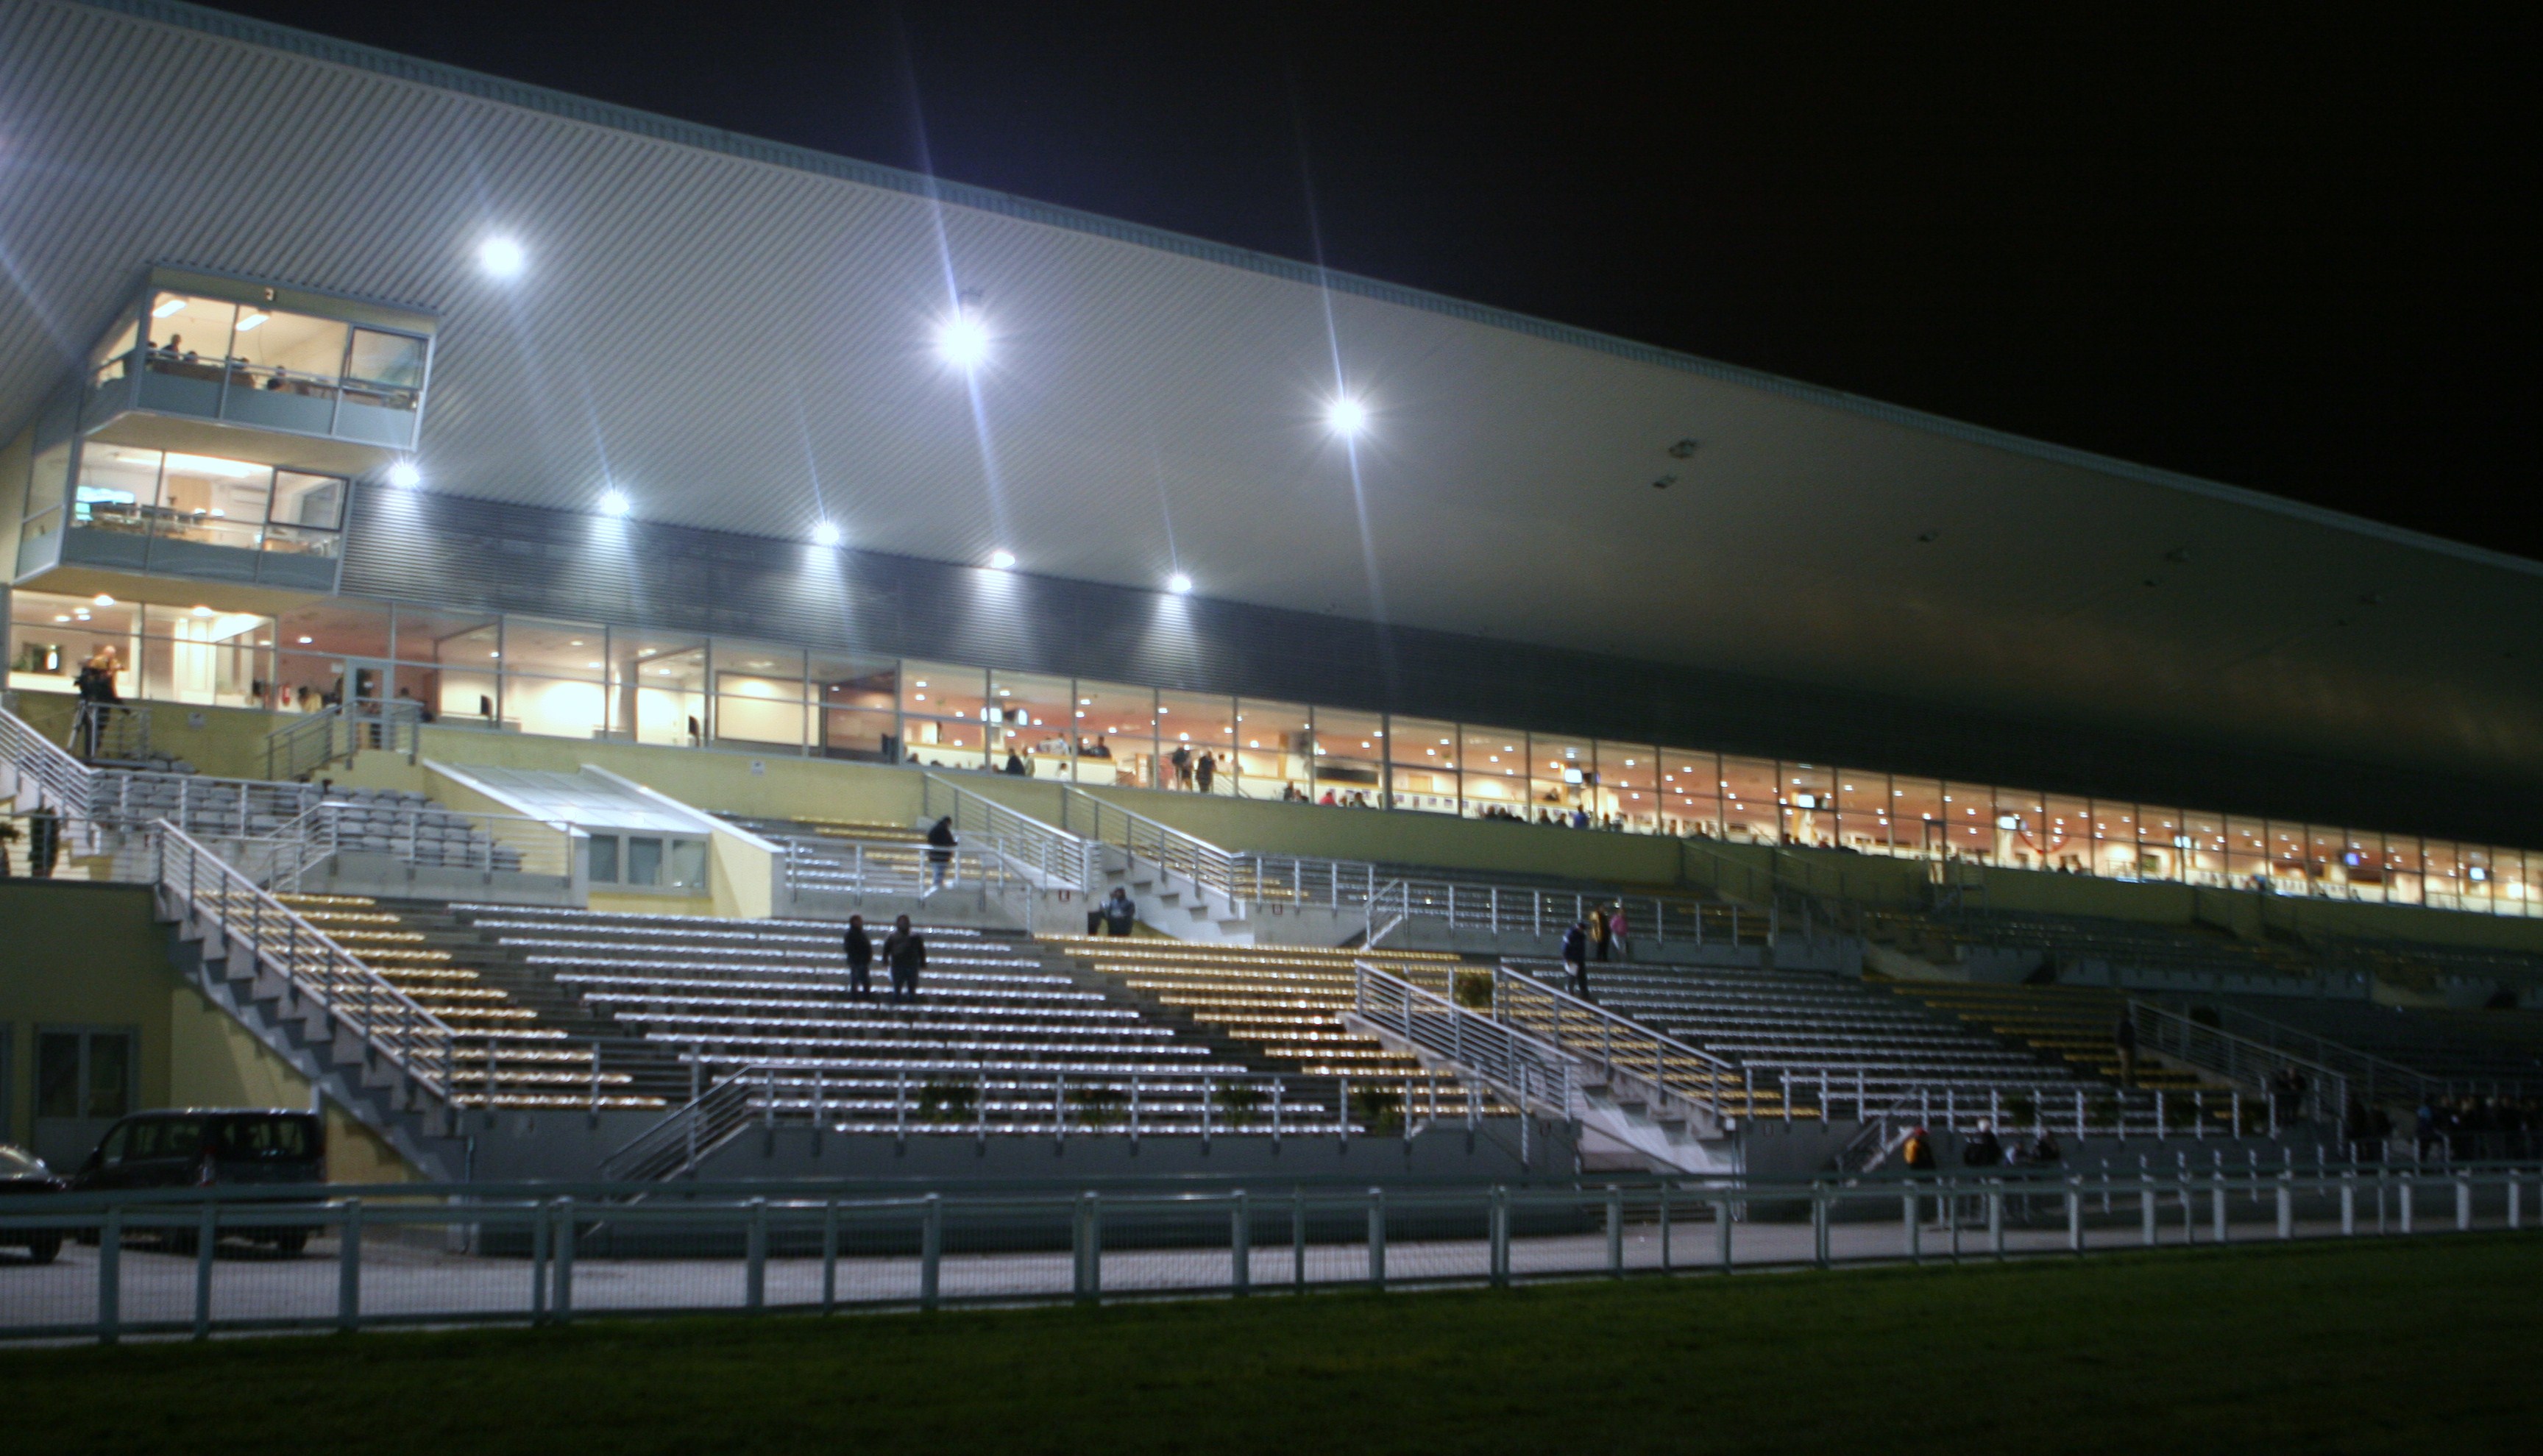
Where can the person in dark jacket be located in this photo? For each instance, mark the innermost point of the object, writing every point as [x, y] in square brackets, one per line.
[44, 841]
[1121, 912]
[2124, 1038]
[1575, 959]
[904, 951]
[940, 853]
[860, 958]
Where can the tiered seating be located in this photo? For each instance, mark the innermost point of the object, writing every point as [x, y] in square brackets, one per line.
[2072, 1024]
[991, 1035]
[1799, 1025]
[414, 829]
[2125, 944]
[2475, 1048]
[2425, 966]
[846, 856]
[1284, 1000]
[506, 1057]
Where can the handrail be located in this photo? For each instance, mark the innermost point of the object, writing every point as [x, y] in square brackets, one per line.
[1161, 844]
[316, 967]
[1055, 857]
[1305, 881]
[685, 1135]
[1524, 1068]
[2236, 1059]
[341, 731]
[1684, 1073]
[65, 782]
[2359, 1066]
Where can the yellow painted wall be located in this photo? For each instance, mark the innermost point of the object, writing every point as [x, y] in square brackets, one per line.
[230, 743]
[96, 955]
[622, 902]
[742, 875]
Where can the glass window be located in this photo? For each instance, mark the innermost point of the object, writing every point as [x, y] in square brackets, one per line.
[1809, 806]
[859, 697]
[1748, 808]
[1691, 788]
[1916, 815]
[117, 488]
[2020, 819]
[759, 694]
[216, 502]
[1351, 757]
[1118, 731]
[2402, 866]
[1968, 819]
[195, 655]
[1272, 749]
[1629, 786]
[189, 337]
[1863, 810]
[1495, 764]
[686, 868]
[57, 1074]
[1035, 719]
[556, 676]
[308, 511]
[286, 353]
[112, 360]
[1424, 756]
[941, 708]
[1197, 732]
[2160, 829]
[657, 687]
[604, 859]
[644, 860]
[391, 365]
[1562, 774]
[51, 473]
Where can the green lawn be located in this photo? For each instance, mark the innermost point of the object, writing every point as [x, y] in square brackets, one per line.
[2425, 1344]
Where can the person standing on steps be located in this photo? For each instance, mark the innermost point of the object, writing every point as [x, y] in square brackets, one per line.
[1617, 935]
[859, 959]
[940, 851]
[1121, 912]
[2123, 1036]
[904, 953]
[1575, 959]
[1598, 931]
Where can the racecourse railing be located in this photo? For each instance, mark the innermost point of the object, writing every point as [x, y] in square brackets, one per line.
[240, 1259]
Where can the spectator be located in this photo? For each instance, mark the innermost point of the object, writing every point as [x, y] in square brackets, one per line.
[859, 959]
[1599, 932]
[940, 850]
[44, 841]
[1575, 959]
[1206, 770]
[2125, 1037]
[1101, 749]
[1181, 761]
[905, 953]
[1621, 938]
[1917, 1153]
[1982, 1150]
[1121, 912]
[1015, 765]
[1328, 800]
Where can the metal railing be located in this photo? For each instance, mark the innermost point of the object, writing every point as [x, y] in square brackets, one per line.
[1048, 858]
[195, 882]
[418, 836]
[60, 780]
[1383, 895]
[410, 1254]
[1528, 1071]
[1101, 822]
[2375, 1079]
[2240, 1059]
[110, 732]
[1669, 1070]
[341, 731]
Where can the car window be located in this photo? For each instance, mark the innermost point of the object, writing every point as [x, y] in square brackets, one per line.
[112, 1150]
[266, 1138]
[142, 1141]
[14, 1163]
[180, 1139]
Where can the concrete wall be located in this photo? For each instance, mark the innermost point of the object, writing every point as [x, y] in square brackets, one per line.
[95, 956]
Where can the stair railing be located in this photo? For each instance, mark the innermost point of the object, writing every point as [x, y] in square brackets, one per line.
[2376, 1078]
[195, 882]
[341, 731]
[1525, 1071]
[1618, 1045]
[61, 781]
[2240, 1059]
[689, 1132]
[1054, 858]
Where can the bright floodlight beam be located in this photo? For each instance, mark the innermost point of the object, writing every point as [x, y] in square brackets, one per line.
[1348, 416]
[501, 258]
[615, 503]
[404, 476]
[1002, 560]
[1179, 583]
[825, 533]
[964, 341]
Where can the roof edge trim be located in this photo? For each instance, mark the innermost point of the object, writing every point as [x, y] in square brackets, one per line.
[566, 106]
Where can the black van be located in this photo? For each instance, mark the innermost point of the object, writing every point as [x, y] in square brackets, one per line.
[203, 1147]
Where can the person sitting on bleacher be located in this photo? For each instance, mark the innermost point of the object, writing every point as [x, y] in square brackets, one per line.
[905, 953]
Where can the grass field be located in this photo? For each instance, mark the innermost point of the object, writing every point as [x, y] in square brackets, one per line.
[2427, 1345]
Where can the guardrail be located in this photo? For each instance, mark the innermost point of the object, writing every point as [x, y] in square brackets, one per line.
[1528, 1070]
[420, 836]
[196, 882]
[1387, 898]
[2375, 1078]
[110, 732]
[424, 1253]
[1105, 822]
[1045, 857]
[62, 780]
[2318, 1090]
[1627, 1049]
[341, 731]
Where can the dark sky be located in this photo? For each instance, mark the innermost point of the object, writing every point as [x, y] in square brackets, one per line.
[2276, 249]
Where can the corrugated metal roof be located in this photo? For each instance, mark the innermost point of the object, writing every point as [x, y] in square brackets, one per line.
[739, 335]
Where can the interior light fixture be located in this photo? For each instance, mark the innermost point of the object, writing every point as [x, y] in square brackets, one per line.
[501, 258]
[825, 533]
[304, 642]
[103, 600]
[404, 476]
[254, 321]
[1348, 416]
[201, 611]
[1001, 560]
[172, 306]
[615, 503]
[963, 340]
[1179, 583]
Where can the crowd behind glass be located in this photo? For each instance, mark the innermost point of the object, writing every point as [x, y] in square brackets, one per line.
[589, 680]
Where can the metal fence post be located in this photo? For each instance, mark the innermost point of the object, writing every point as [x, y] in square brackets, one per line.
[1910, 1232]
[1240, 1243]
[1819, 1225]
[1665, 1227]
[1995, 1220]
[565, 1260]
[2463, 1201]
[1377, 1238]
[1496, 1260]
[1298, 1238]
[2348, 1203]
[109, 1276]
[2216, 1207]
[931, 1250]
[2515, 1189]
[754, 1287]
[1722, 1232]
[2286, 1207]
[1615, 1232]
[829, 1255]
[2075, 1215]
[1094, 1246]
[349, 1266]
[538, 1264]
[2404, 1190]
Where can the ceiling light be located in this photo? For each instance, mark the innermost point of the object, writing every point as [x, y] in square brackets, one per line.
[615, 503]
[254, 321]
[501, 258]
[1001, 560]
[171, 306]
[103, 600]
[1346, 416]
[201, 610]
[404, 476]
[63, 617]
[964, 341]
[1179, 583]
[825, 533]
[304, 642]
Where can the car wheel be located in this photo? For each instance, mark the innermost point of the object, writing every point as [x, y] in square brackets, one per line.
[292, 1241]
[42, 1248]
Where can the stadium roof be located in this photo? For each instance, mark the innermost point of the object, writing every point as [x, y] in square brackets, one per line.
[741, 335]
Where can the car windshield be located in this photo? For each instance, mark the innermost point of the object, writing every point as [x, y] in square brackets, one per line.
[14, 1163]
[264, 1137]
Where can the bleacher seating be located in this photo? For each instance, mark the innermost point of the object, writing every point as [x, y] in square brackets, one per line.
[2478, 1048]
[2422, 966]
[1284, 1000]
[2075, 1024]
[2071, 940]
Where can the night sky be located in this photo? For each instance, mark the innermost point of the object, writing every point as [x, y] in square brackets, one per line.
[2280, 251]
